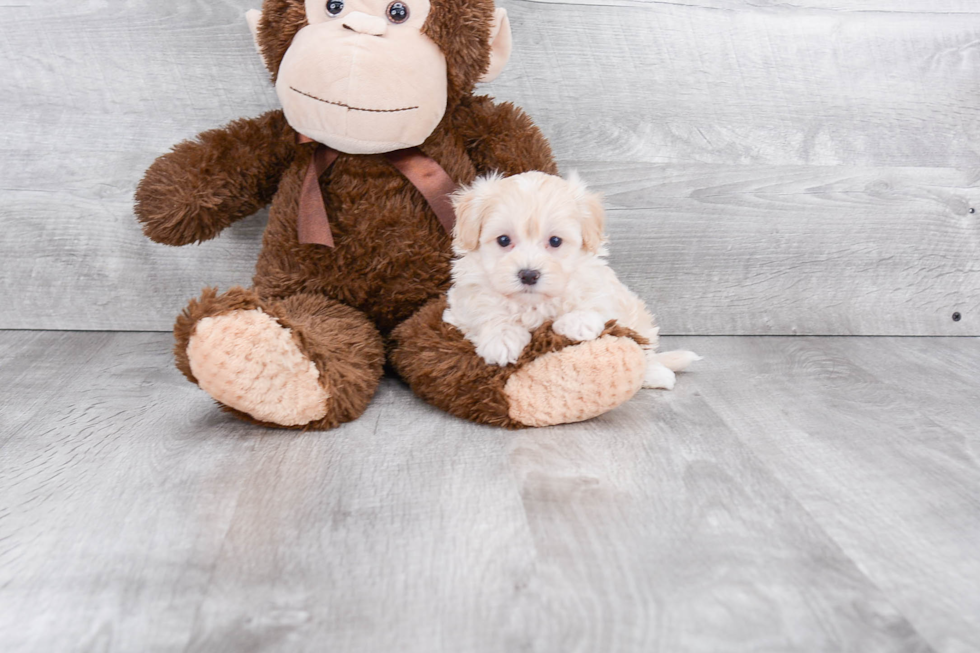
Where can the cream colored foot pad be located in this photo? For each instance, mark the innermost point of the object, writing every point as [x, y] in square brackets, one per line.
[247, 360]
[576, 383]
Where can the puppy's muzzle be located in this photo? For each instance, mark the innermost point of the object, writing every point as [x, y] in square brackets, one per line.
[529, 277]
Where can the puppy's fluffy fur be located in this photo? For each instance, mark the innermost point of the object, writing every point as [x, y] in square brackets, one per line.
[530, 249]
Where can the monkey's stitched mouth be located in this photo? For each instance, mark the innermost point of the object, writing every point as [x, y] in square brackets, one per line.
[347, 106]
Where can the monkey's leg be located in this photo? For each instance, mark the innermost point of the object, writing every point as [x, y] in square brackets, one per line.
[302, 362]
[556, 381]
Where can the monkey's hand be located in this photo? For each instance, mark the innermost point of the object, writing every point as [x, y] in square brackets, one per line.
[203, 185]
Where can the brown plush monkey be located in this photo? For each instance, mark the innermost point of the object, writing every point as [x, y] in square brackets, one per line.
[305, 346]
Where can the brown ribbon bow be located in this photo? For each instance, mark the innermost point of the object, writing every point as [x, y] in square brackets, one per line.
[423, 171]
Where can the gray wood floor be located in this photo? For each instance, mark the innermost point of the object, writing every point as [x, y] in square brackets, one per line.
[793, 494]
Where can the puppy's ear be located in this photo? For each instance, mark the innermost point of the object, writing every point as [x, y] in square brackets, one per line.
[470, 204]
[466, 232]
[592, 214]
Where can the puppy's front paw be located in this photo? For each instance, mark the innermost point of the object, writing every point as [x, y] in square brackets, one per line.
[503, 347]
[580, 325]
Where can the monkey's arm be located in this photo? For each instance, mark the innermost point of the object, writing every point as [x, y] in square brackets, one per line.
[501, 137]
[203, 185]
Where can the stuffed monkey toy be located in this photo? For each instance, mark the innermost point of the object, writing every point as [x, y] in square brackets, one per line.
[378, 123]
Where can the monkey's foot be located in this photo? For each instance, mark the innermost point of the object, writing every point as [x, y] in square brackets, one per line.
[576, 383]
[556, 380]
[247, 360]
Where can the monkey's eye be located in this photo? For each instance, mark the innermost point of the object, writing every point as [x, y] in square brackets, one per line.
[555, 241]
[397, 12]
[503, 241]
[334, 7]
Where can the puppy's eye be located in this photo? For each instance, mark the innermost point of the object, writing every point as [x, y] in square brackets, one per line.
[334, 7]
[503, 241]
[555, 241]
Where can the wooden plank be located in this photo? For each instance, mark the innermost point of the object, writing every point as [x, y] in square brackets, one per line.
[654, 527]
[94, 93]
[778, 84]
[861, 451]
[115, 496]
[124, 484]
[713, 249]
[940, 374]
[814, 82]
[798, 250]
[135, 516]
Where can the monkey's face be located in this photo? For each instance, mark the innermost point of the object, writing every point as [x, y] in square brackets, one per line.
[362, 77]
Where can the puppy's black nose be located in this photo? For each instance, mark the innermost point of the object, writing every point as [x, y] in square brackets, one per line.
[529, 277]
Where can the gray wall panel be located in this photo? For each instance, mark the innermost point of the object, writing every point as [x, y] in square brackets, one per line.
[811, 163]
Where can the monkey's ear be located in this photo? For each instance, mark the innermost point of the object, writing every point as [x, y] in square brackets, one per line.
[252, 17]
[501, 44]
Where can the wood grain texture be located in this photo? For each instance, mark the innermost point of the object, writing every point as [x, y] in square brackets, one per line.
[759, 99]
[797, 250]
[791, 495]
[878, 440]
[737, 83]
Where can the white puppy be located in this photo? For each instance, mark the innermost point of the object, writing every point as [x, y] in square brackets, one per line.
[530, 249]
